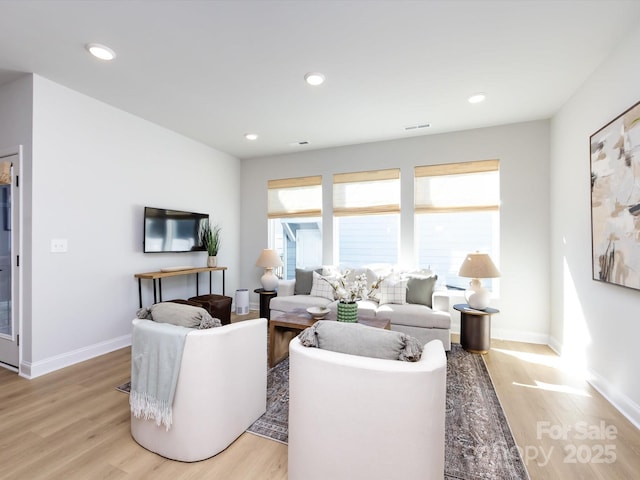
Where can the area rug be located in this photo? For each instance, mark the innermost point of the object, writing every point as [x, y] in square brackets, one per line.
[124, 388]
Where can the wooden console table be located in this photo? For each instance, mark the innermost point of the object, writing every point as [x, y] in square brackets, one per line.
[153, 276]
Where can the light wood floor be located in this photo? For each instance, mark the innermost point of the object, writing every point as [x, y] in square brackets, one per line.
[73, 424]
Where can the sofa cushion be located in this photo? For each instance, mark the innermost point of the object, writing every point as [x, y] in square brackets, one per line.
[420, 289]
[321, 286]
[304, 280]
[179, 314]
[393, 290]
[414, 315]
[362, 340]
[292, 302]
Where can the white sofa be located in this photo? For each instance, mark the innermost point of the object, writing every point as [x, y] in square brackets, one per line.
[221, 391]
[361, 418]
[420, 321]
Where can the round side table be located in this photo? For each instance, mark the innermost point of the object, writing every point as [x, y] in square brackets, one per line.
[265, 299]
[475, 328]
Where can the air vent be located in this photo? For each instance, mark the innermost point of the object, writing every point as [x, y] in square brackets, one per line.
[417, 127]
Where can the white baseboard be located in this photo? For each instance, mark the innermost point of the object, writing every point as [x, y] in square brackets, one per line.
[519, 336]
[555, 345]
[512, 335]
[621, 402]
[32, 370]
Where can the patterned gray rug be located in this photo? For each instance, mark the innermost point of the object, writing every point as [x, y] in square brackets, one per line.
[478, 443]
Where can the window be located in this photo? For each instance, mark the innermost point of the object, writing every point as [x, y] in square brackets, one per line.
[295, 222]
[457, 212]
[366, 210]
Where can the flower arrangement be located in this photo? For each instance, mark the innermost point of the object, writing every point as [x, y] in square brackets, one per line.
[349, 293]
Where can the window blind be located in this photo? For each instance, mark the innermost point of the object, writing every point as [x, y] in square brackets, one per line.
[366, 193]
[469, 186]
[295, 197]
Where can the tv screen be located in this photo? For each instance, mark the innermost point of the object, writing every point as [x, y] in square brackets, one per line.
[172, 230]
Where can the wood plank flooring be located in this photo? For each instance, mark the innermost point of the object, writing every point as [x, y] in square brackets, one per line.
[73, 424]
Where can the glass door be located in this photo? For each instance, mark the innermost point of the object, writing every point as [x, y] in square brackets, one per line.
[9, 239]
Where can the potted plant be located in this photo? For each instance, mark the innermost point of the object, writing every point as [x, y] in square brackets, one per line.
[210, 238]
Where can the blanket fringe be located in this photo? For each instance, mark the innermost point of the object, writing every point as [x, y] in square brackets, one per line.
[148, 407]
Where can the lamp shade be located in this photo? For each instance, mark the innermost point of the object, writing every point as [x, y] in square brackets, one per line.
[478, 265]
[269, 258]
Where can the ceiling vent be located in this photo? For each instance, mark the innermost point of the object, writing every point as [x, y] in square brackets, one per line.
[417, 127]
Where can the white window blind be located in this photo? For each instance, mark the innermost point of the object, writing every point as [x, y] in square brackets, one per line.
[469, 186]
[295, 197]
[366, 193]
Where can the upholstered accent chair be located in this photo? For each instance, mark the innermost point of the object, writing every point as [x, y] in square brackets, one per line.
[221, 390]
[360, 418]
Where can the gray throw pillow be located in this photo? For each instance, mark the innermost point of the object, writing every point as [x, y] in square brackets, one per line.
[304, 280]
[182, 315]
[420, 290]
[362, 340]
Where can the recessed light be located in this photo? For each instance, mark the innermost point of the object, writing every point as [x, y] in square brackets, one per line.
[251, 136]
[477, 98]
[100, 51]
[314, 78]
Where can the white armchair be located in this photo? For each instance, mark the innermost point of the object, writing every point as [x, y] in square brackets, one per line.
[360, 418]
[221, 391]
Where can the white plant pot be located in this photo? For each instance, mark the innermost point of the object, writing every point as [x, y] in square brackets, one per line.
[212, 261]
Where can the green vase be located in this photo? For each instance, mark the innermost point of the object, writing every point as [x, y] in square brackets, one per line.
[347, 312]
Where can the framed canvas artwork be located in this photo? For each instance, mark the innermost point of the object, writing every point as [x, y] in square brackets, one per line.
[615, 200]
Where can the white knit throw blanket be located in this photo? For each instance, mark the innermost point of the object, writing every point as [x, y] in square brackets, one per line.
[156, 354]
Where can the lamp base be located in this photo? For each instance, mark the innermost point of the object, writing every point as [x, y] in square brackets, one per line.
[477, 296]
[269, 280]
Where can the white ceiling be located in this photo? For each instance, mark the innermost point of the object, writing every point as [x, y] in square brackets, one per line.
[215, 70]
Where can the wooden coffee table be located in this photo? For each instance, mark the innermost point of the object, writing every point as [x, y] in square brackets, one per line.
[286, 327]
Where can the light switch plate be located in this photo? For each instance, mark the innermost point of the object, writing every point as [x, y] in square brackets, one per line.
[59, 245]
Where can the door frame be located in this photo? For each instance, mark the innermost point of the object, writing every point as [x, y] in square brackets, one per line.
[16, 248]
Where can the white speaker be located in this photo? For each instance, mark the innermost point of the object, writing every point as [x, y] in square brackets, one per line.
[242, 301]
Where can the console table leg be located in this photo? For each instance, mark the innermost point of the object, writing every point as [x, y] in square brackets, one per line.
[160, 288]
[155, 298]
[223, 281]
[197, 286]
[140, 291]
[210, 283]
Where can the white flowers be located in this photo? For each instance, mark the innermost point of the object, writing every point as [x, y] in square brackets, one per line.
[349, 293]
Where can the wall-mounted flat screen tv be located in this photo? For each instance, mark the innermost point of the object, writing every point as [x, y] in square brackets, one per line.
[173, 230]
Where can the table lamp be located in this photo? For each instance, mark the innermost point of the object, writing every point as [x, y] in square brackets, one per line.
[269, 259]
[476, 266]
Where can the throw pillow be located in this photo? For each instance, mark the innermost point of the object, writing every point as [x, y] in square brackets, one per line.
[420, 290]
[321, 286]
[362, 340]
[374, 287]
[182, 315]
[393, 290]
[304, 280]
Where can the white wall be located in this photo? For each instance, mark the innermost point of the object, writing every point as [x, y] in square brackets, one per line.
[594, 323]
[523, 151]
[94, 168]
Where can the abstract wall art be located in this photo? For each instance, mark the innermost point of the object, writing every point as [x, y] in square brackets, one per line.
[615, 200]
